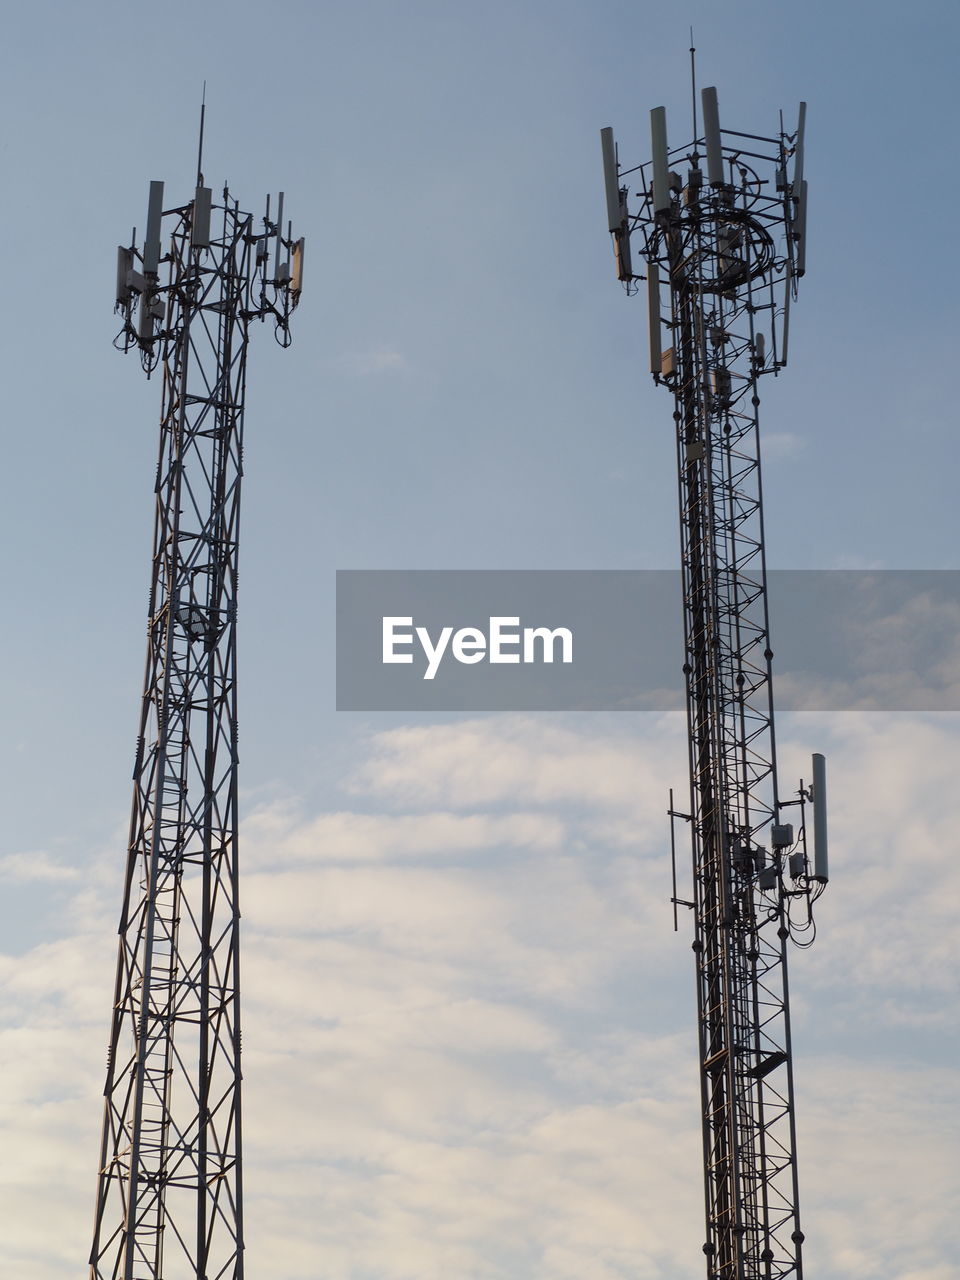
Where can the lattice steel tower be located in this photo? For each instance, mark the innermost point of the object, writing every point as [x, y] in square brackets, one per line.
[169, 1201]
[721, 231]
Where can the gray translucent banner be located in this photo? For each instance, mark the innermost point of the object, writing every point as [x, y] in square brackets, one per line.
[479, 640]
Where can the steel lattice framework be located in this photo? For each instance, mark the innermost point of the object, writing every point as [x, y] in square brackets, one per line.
[723, 247]
[169, 1202]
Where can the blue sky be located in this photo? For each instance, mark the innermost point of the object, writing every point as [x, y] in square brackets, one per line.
[465, 389]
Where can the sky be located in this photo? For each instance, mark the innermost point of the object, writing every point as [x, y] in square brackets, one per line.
[469, 1027]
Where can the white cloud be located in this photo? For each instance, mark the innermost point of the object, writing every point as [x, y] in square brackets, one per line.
[279, 834]
[22, 868]
[897, 647]
[384, 359]
[469, 1045]
[778, 445]
[883, 1139]
[473, 763]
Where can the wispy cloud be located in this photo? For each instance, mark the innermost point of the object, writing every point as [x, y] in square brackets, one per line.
[490, 762]
[780, 445]
[278, 834]
[379, 360]
[469, 1046]
[23, 868]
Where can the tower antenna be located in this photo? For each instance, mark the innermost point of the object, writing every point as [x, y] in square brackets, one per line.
[721, 258]
[693, 88]
[203, 111]
[169, 1191]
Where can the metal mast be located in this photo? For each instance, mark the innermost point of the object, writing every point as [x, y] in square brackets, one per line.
[721, 230]
[169, 1203]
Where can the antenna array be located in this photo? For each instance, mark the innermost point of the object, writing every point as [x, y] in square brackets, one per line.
[723, 250]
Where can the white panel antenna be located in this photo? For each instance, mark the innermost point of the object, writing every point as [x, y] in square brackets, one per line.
[711, 130]
[151, 241]
[802, 229]
[296, 278]
[819, 789]
[785, 324]
[661, 169]
[279, 245]
[611, 180]
[200, 231]
[798, 149]
[624, 257]
[653, 313]
[124, 268]
[283, 276]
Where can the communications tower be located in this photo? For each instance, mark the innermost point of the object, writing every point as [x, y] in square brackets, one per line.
[169, 1196]
[720, 231]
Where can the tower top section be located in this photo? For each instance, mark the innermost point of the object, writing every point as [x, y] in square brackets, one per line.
[723, 215]
[214, 257]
